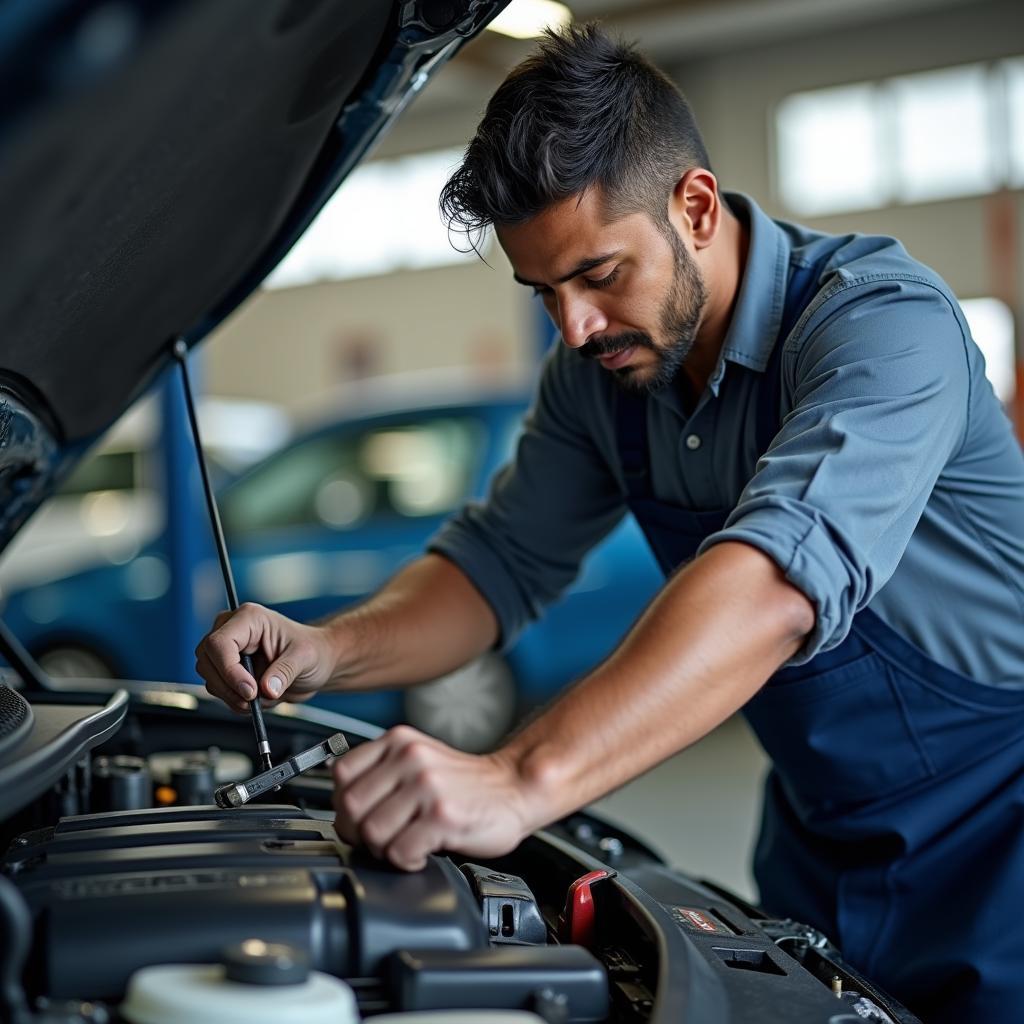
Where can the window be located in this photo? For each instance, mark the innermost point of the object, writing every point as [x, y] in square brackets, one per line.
[991, 323]
[844, 164]
[348, 478]
[104, 471]
[915, 138]
[942, 139]
[1013, 71]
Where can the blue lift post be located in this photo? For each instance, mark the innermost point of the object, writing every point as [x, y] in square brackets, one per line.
[186, 540]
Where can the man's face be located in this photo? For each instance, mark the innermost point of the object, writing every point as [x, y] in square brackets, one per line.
[625, 292]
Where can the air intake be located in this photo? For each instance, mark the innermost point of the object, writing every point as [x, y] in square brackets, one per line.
[15, 718]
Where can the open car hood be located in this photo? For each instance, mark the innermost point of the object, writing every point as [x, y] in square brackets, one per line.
[157, 159]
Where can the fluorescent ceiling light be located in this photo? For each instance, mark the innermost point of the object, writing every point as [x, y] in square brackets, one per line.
[525, 19]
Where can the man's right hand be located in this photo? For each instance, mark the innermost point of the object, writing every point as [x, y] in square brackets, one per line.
[292, 661]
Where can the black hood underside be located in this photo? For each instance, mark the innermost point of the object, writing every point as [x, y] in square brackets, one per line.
[136, 201]
[157, 159]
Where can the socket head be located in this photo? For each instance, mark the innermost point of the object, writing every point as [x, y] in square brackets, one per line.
[231, 795]
[337, 744]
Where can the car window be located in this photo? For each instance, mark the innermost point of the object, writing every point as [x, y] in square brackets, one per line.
[346, 479]
[104, 471]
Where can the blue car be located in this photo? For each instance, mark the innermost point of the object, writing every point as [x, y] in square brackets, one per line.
[323, 522]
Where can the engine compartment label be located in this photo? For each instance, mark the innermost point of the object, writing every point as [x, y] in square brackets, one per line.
[697, 920]
[184, 881]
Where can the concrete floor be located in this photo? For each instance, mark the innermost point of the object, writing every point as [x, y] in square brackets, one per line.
[701, 808]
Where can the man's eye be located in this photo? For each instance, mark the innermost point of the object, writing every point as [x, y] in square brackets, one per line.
[603, 282]
[542, 291]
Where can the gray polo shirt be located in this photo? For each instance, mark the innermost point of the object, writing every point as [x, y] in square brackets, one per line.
[894, 482]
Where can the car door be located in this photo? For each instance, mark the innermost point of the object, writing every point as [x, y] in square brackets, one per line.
[329, 518]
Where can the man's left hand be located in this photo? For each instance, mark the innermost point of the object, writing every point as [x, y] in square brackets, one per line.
[407, 795]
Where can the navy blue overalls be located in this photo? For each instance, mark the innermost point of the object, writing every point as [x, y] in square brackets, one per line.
[894, 811]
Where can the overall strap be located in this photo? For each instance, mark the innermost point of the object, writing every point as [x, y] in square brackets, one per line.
[631, 438]
[803, 283]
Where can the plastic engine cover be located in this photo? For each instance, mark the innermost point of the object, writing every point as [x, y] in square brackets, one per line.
[111, 893]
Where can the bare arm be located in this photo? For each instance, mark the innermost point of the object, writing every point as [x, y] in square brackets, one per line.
[702, 649]
[428, 620]
[715, 633]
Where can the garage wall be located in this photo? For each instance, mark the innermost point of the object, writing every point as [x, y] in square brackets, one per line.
[296, 345]
[735, 96]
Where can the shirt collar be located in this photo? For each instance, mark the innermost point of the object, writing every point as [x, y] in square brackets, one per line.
[757, 315]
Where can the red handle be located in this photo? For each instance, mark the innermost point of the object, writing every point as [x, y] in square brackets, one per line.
[579, 919]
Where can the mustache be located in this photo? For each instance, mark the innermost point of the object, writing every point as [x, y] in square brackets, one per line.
[599, 346]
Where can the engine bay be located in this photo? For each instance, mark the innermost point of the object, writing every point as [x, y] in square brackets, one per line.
[126, 894]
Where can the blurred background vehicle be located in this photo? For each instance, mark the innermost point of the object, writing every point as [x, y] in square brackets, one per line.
[311, 527]
[112, 504]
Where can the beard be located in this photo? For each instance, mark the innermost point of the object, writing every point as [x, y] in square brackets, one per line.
[678, 321]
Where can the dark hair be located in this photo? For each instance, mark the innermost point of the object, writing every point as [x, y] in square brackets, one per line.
[582, 110]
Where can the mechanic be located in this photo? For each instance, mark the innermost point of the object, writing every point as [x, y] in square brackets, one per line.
[802, 426]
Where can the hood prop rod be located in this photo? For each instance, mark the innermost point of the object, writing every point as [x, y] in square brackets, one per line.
[262, 742]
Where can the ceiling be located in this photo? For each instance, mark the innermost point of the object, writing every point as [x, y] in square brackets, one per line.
[672, 30]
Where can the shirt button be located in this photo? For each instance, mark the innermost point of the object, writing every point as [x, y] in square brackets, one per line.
[692, 442]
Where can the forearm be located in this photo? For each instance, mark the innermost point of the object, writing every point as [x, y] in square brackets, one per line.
[426, 621]
[708, 642]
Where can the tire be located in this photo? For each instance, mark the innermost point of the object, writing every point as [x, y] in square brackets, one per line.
[72, 661]
[471, 708]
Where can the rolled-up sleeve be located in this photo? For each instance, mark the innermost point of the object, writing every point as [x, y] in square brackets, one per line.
[555, 500]
[880, 396]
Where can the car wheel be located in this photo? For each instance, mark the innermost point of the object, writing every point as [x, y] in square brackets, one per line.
[69, 661]
[471, 708]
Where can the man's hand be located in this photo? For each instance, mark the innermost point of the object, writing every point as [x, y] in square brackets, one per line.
[292, 661]
[407, 795]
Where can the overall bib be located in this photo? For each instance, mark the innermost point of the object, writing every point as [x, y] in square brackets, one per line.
[894, 812]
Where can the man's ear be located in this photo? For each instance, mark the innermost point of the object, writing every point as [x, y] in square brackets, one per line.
[694, 207]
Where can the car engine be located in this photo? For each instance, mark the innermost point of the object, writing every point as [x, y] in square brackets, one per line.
[126, 894]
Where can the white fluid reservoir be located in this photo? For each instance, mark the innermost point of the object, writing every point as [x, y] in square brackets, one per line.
[195, 993]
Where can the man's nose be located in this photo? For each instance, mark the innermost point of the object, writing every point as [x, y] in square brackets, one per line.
[579, 320]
